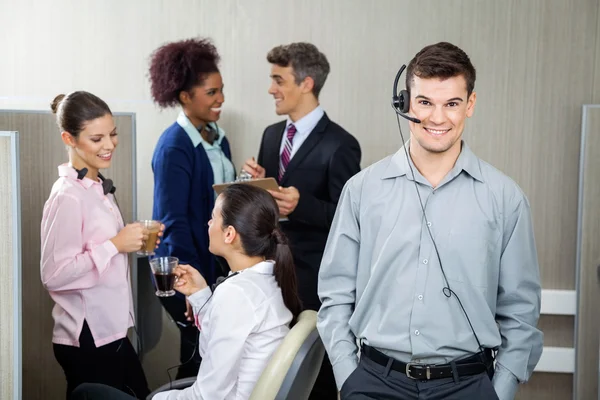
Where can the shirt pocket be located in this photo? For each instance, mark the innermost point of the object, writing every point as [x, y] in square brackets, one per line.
[472, 255]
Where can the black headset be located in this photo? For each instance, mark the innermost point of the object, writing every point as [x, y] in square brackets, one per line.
[107, 184]
[401, 104]
[222, 279]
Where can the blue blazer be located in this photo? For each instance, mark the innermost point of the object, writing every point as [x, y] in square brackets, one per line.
[184, 199]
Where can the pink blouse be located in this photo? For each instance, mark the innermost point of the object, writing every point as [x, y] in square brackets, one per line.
[81, 268]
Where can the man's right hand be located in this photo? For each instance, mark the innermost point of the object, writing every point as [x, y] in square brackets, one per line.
[252, 167]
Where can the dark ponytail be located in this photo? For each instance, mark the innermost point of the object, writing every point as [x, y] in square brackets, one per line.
[285, 272]
[255, 216]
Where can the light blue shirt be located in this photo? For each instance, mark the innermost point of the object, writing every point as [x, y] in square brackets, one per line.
[222, 167]
[304, 126]
[380, 280]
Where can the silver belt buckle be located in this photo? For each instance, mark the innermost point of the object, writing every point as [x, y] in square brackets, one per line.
[427, 370]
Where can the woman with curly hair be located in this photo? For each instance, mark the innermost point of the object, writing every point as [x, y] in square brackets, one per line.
[191, 155]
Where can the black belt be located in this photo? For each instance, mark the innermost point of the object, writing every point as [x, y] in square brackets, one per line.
[473, 365]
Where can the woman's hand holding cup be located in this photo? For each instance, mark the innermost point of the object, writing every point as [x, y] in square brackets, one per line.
[189, 280]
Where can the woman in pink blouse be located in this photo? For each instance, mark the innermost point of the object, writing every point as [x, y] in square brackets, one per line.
[84, 262]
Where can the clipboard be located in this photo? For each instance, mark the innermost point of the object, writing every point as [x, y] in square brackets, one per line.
[263, 183]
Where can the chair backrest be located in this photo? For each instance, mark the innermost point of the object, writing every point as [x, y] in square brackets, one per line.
[301, 377]
[293, 368]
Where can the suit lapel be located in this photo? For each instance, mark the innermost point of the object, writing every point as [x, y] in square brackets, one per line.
[311, 141]
[272, 145]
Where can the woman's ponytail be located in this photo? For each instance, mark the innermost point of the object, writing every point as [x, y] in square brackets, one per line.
[285, 273]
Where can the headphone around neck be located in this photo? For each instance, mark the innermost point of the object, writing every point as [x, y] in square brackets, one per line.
[107, 184]
[222, 279]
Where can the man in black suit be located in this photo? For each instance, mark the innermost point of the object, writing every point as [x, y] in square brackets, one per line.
[311, 157]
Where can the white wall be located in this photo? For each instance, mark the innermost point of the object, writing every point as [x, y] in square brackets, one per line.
[536, 62]
[49, 47]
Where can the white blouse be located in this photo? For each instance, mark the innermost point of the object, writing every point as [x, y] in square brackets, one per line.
[241, 325]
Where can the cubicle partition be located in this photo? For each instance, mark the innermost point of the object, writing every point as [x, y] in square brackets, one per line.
[587, 321]
[40, 152]
[10, 268]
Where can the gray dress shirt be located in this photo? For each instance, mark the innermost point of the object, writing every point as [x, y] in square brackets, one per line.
[380, 279]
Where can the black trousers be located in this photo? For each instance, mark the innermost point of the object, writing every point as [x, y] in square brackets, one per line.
[189, 354]
[324, 388]
[373, 381]
[115, 364]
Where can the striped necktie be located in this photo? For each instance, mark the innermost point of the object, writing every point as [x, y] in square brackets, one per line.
[286, 154]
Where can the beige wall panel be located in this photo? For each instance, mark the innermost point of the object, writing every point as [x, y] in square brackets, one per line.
[588, 326]
[41, 151]
[548, 386]
[528, 122]
[558, 330]
[7, 258]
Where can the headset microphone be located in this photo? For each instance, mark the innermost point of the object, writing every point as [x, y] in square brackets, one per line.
[401, 104]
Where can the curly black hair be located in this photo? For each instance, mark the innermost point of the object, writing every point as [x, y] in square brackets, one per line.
[179, 66]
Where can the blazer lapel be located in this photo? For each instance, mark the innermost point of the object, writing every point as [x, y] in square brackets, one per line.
[311, 141]
[271, 155]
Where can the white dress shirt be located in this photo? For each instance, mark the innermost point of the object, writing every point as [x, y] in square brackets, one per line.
[241, 325]
[304, 126]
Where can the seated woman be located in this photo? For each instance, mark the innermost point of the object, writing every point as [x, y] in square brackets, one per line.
[243, 320]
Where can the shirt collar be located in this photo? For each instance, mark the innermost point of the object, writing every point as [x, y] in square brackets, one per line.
[263, 267]
[307, 123]
[195, 136]
[467, 161]
[67, 170]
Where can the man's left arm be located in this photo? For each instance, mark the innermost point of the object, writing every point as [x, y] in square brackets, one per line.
[518, 304]
[343, 165]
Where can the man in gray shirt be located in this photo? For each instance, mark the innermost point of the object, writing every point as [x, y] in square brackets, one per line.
[430, 265]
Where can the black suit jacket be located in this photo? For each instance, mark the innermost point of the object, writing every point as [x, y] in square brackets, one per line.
[319, 169]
